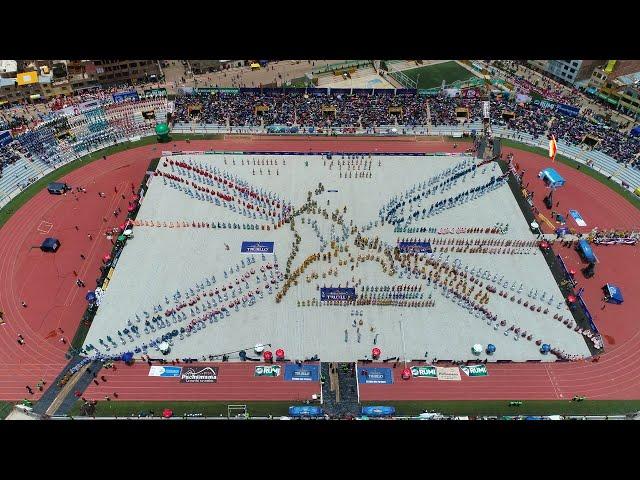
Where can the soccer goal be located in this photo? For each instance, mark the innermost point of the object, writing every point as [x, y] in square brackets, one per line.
[236, 410]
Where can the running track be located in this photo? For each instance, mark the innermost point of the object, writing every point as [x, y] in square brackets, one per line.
[47, 284]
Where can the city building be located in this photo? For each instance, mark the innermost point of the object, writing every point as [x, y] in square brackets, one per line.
[204, 66]
[114, 72]
[618, 82]
[569, 71]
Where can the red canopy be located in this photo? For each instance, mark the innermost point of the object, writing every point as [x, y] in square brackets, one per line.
[544, 244]
[571, 298]
[375, 352]
[279, 353]
[167, 413]
[572, 272]
[131, 208]
[268, 356]
[406, 374]
[106, 258]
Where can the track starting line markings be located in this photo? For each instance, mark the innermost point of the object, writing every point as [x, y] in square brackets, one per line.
[45, 227]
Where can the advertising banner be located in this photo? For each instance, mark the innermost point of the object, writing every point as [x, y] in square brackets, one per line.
[156, 92]
[267, 371]
[375, 375]
[159, 371]
[448, 373]
[424, 372]
[340, 294]
[122, 96]
[199, 374]
[568, 109]
[578, 218]
[302, 373]
[256, 247]
[475, 370]
[415, 247]
[5, 138]
[27, 78]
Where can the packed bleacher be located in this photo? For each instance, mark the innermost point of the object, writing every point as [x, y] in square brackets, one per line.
[36, 146]
[365, 110]
[96, 120]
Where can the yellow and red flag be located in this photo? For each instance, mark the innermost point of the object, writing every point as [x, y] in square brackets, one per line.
[553, 148]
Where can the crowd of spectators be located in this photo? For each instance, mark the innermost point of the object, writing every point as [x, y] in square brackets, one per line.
[365, 111]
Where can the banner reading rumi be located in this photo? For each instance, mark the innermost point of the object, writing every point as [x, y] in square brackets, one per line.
[475, 370]
[424, 372]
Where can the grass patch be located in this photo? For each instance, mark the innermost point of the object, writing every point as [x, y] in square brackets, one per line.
[616, 187]
[431, 76]
[5, 409]
[300, 82]
[528, 407]
[209, 409]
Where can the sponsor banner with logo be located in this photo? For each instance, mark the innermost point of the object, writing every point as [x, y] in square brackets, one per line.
[159, 371]
[267, 371]
[199, 374]
[375, 375]
[155, 92]
[475, 370]
[568, 109]
[303, 373]
[90, 105]
[415, 247]
[578, 218]
[5, 138]
[256, 247]
[424, 372]
[122, 96]
[339, 294]
[27, 78]
[448, 373]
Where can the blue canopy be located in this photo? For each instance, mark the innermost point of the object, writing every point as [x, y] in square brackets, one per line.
[90, 297]
[551, 178]
[635, 131]
[614, 294]
[50, 245]
[585, 250]
[379, 411]
[305, 411]
[545, 348]
[491, 348]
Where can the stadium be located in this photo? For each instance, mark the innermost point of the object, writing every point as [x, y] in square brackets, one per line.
[354, 240]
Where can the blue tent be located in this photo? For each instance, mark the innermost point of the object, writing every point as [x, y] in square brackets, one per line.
[584, 249]
[380, 411]
[635, 131]
[613, 294]
[50, 245]
[551, 178]
[305, 411]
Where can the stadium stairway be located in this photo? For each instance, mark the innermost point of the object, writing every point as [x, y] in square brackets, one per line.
[339, 390]
[54, 389]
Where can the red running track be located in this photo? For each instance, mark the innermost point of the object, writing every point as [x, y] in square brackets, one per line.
[46, 283]
[236, 382]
